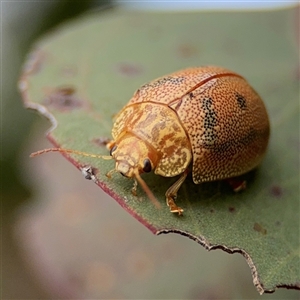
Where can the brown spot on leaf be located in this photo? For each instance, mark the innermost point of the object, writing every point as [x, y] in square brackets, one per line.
[186, 50]
[231, 209]
[276, 191]
[129, 70]
[63, 98]
[212, 211]
[101, 141]
[257, 227]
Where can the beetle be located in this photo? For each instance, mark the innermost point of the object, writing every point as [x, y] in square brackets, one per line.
[207, 119]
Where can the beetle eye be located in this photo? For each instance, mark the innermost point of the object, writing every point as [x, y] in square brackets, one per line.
[147, 165]
[112, 150]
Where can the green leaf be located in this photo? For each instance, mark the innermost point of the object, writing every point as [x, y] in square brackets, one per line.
[83, 73]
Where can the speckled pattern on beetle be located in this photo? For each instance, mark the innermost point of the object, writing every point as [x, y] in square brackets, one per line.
[206, 117]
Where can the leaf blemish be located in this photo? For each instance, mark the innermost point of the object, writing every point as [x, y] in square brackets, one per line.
[101, 141]
[231, 209]
[276, 191]
[186, 50]
[257, 227]
[63, 98]
[130, 70]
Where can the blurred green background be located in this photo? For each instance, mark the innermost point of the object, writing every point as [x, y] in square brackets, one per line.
[60, 241]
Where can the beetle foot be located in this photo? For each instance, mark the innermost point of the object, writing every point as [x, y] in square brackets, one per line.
[134, 192]
[237, 184]
[134, 188]
[109, 174]
[173, 207]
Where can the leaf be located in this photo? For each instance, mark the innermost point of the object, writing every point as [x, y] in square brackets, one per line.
[83, 73]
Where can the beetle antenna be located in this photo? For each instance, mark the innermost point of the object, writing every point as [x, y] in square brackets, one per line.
[62, 150]
[147, 190]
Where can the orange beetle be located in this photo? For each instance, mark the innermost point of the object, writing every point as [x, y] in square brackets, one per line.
[206, 117]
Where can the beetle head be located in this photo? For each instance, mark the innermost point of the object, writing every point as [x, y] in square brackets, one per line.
[133, 156]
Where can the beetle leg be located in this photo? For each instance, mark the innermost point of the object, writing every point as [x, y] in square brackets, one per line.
[237, 184]
[134, 188]
[109, 173]
[171, 194]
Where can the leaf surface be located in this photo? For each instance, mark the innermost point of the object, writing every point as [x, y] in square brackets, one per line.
[80, 75]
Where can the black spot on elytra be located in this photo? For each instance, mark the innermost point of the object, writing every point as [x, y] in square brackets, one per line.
[246, 140]
[250, 137]
[210, 121]
[242, 103]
